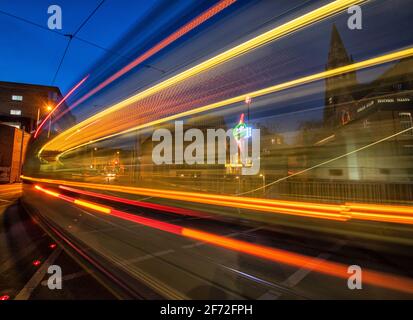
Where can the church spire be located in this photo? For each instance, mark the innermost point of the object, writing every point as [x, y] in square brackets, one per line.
[338, 89]
[337, 55]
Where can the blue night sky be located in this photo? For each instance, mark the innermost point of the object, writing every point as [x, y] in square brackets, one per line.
[32, 54]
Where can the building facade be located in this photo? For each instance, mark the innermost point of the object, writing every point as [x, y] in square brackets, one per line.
[23, 105]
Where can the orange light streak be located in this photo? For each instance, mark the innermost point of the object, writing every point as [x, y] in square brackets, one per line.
[301, 261]
[337, 212]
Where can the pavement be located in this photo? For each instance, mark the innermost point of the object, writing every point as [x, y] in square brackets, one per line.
[26, 252]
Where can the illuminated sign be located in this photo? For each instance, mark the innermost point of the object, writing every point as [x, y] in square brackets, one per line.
[241, 130]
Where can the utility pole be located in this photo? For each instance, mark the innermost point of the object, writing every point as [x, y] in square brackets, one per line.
[248, 101]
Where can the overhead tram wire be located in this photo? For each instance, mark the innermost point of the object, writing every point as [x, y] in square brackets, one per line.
[71, 36]
[75, 36]
[61, 61]
[61, 34]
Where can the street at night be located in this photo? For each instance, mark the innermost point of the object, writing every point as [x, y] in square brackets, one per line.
[213, 150]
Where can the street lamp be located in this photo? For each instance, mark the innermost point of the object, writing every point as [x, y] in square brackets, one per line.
[49, 108]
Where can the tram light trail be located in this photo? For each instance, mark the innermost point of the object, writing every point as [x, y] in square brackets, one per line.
[274, 34]
[158, 47]
[137, 203]
[335, 269]
[218, 149]
[57, 144]
[337, 212]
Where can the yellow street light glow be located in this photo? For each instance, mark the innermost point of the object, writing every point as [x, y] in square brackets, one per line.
[273, 34]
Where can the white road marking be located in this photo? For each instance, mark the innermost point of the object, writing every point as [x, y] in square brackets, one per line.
[35, 280]
[68, 277]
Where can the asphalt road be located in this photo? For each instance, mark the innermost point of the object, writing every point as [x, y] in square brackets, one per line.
[181, 268]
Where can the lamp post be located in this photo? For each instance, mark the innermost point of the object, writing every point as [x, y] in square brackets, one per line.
[21, 155]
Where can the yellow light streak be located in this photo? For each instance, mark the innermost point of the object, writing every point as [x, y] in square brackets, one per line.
[51, 193]
[92, 206]
[286, 85]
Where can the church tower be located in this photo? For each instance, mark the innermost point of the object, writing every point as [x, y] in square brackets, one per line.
[338, 89]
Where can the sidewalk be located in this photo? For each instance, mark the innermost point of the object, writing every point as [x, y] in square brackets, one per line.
[9, 193]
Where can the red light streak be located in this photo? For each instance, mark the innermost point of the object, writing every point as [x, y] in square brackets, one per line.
[337, 212]
[164, 226]
[4, 297]
[37, 263]
[158, 47]
[52, 246]
[137, 203]
[336, 269]
[58, 105]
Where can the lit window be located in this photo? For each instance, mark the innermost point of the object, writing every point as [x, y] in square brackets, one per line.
[15, 112]
[17, 98]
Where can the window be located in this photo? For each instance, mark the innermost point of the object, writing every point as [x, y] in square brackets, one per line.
[406, 122]
[15, 112]
[17, 98]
